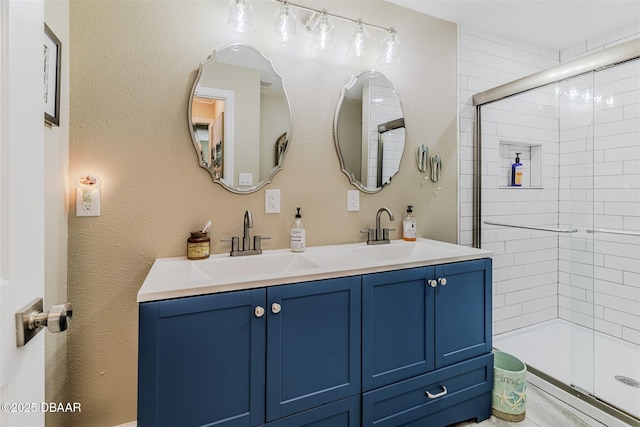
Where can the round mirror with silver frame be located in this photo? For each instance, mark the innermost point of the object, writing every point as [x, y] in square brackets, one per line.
[369, 131]
[239, 118]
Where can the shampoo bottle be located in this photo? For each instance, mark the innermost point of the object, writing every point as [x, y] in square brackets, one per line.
[409, 225]
[297, 234]
[516, 172]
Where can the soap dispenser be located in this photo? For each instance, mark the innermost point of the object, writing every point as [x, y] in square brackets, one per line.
[297, 234]
[516, 172]
[409, 225]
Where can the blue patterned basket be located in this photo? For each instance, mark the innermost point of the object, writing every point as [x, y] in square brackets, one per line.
[509, 401]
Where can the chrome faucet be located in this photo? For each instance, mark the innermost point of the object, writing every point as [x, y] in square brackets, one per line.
[246, 239]
[248, 223]
[379, 235]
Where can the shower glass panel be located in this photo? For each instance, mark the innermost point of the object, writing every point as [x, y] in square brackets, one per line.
[566, 242]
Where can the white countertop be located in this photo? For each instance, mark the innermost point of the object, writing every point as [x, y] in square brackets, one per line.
[181, 277]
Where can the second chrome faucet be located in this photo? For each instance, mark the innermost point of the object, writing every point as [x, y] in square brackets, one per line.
[379, 235]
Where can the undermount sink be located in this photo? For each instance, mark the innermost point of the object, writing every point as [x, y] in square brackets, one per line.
[265, 264]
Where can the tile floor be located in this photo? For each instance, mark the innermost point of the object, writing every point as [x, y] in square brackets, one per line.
[543, 410]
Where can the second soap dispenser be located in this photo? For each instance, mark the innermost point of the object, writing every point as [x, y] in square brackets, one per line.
[298, 236]
[409, 225]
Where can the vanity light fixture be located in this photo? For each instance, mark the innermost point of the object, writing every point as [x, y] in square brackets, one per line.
[358, 42]
[389, 49]
[319, 24]
[240, 17]
[284, 25]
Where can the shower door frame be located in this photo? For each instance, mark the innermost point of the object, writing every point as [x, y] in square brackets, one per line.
[600, 60]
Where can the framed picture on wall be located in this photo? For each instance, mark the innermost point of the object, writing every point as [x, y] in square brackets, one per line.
[52, 61]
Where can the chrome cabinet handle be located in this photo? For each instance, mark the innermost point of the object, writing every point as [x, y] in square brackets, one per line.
[442, 281]
[435, 396]
[276, 308]
[432, 283]
[259, 311]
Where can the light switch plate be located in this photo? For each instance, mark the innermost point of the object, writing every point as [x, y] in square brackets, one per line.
[245, 178]
[272, 201]
[353, 200]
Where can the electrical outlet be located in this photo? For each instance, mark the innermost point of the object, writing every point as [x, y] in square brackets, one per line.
[272, 201]
[90, 207]
[353, 200]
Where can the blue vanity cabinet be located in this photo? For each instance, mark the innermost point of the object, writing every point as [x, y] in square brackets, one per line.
[463, 311]
[245, 358]
[397, 326]
[201, 361]
[343, 413]
[426, 345]
[313, 344]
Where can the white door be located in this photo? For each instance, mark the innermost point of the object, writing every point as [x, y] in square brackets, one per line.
[21, 207]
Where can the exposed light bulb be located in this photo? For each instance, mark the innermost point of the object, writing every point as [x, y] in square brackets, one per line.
[389, 49]
[358, 42]
[284, 25]
[323, 33]
[240, 17]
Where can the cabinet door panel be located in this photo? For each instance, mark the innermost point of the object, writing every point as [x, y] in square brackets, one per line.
[206, 362]
[463, 311]
[397, 326]
[313, 355]
[343, 413]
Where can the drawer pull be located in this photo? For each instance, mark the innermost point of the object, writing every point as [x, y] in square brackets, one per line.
[276, 308]
[442, 281]
[259, 311]
[435, 396]
[432, 283]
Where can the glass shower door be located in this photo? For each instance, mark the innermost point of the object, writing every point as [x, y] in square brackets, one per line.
[616, 236]
[576, 211]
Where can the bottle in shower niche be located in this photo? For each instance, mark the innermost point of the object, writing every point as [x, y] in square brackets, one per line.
[298, 234]
[409, 231]
[516, 172]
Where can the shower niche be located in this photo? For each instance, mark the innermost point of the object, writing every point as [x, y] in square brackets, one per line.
[531, 157]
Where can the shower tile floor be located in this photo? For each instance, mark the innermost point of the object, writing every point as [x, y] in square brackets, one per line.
[548, 347]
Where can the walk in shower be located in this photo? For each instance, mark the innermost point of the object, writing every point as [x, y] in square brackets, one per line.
[566, 242]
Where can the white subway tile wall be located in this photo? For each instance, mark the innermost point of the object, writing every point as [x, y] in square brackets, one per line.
[591, 179]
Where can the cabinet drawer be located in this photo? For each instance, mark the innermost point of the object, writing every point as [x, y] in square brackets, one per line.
[407, 400]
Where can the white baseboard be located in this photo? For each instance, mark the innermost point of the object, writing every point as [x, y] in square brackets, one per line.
[130, 424]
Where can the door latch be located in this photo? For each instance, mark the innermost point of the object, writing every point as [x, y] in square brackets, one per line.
[30, 320]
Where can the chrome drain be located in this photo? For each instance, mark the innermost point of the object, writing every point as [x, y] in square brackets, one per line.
[628, 381]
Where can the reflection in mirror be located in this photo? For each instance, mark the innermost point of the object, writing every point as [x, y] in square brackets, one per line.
[369, 131]
[239, 118]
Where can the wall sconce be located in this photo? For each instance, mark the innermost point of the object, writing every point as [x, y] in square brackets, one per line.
[319, 24]
[88, 195]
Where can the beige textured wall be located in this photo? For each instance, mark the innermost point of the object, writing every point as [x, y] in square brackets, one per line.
[56, 213]
[133, 64]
